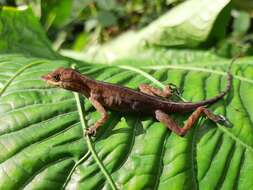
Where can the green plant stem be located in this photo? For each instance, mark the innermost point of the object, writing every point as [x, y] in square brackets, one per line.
[90, 144]
[18, 73]
[73, 169]
[148, 76]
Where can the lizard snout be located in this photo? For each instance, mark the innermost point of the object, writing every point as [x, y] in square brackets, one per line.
[45, 77]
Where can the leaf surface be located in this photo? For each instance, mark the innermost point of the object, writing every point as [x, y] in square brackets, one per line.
[41, 138]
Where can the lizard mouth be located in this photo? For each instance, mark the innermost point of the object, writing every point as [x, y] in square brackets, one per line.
[50, 82]
[45, 77]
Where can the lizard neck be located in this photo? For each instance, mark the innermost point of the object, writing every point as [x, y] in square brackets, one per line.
[80, 84]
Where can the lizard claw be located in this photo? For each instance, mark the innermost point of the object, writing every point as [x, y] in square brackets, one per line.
[224, 121]
[220, 119]
[91, 131]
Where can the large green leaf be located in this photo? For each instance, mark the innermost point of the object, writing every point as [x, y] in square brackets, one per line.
[41, 138]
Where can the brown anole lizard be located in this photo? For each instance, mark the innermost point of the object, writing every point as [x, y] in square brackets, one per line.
[149, 100]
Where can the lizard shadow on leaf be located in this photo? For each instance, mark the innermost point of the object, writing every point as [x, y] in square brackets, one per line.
[136, 126]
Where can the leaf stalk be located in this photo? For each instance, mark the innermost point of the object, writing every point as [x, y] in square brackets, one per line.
[90, 144]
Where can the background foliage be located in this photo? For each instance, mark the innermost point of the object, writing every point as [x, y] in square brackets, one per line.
[157, 42]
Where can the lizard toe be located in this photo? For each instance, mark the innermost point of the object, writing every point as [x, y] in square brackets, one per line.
[91, 131]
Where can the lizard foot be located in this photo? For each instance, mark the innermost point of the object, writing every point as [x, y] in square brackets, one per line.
[174, 89]
[91, 131]
[224, 121]
[220, 119]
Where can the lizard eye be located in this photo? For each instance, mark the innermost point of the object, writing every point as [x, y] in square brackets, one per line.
[56, 78]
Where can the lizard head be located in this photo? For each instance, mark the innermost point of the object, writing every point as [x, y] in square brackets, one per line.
[66, 78]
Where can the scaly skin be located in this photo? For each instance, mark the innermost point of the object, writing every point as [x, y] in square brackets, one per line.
[110, 96]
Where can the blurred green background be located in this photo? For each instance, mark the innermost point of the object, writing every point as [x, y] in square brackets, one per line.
[82, 24]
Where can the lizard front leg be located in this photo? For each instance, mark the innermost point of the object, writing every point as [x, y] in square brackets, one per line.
[104, 116]
[173, 126]
[150, 90]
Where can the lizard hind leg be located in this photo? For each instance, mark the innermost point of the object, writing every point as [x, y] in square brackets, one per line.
[168, 122]
[172, 125]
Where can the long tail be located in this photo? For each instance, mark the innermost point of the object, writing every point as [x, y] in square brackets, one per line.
[188, 106]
